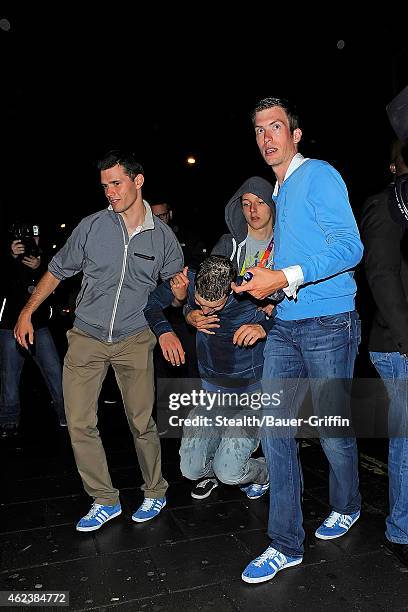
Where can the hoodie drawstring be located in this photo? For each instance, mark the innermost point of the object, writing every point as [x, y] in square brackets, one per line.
[241, 244]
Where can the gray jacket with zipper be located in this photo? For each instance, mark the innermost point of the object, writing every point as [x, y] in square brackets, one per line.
[119, 272]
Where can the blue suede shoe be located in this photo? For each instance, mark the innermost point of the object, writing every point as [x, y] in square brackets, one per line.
[266, 566]
[97, 516]
[150, 508]
[336, 525]
[254, 491]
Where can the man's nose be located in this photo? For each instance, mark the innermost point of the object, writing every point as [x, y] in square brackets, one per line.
[268, 135]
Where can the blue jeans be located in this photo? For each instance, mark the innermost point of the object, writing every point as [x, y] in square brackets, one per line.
[320, 353]
[393, 369]
[12, 358]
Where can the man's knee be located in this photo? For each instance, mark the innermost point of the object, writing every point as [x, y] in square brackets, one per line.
[191, 466]
[226, 471]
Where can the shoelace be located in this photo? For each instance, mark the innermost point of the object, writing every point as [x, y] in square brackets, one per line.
[334, 517]
[204, 482]
[148, 503]
[93, 511]
[269, 554]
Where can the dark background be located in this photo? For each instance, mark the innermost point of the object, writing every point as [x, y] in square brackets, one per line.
[167, 82]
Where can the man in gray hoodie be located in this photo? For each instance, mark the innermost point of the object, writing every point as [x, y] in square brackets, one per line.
[122, 251]
[250, 216]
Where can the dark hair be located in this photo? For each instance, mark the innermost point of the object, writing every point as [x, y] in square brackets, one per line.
[287, 106]
[160, 203]
[126, 159]
[214, 277]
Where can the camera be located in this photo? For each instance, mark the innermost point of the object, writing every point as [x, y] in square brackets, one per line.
[26, 233]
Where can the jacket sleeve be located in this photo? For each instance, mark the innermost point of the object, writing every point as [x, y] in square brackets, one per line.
[223, 246]
[266, 322]
[69, 260]
[173, 256]
[382, 240]
[159, 299]
[332, 211]
[190, 303]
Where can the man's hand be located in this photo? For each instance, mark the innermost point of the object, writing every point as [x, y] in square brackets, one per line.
[179, 285]
[247, 335]
[23, 328]
[31, 262]
[268, 309]
[202, 322]
[264, 283]
[47, 284]
[17, 248]
[172, 348]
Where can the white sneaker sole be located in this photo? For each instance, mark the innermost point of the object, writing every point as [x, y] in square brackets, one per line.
[250, 580]
[334, 537]
[195, 496]
[144, 520]
[257, 496]
[95, 527]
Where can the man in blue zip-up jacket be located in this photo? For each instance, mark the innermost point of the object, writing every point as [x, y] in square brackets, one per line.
[316, 331]
[122, 251]
[208, 452]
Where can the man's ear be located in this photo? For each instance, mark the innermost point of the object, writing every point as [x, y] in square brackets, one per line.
[297, 135]
[393, 169]
[170, 215]
[138, 180]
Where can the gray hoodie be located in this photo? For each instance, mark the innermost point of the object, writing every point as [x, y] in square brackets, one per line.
[232, 245]
[119, 272]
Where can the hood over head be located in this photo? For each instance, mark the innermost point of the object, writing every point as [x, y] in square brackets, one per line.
[234, 216]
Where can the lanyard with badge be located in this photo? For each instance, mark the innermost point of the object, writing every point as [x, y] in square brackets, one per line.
[264, 259]
[278, 295]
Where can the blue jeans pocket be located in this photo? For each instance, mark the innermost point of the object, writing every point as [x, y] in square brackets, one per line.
[338, 321]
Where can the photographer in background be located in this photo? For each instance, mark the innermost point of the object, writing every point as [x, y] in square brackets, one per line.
[23, 263]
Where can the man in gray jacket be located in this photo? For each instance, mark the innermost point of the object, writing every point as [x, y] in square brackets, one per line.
[122, 251]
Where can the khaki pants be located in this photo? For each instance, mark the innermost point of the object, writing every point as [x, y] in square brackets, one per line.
[85, 366]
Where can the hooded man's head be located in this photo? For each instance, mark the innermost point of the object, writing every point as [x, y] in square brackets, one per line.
[248, 208]
[258, 214]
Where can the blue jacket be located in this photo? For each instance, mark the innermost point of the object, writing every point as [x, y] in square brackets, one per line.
[315, 228]
[218, 358]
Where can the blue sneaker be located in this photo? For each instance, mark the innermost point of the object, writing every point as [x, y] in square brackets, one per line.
[336, 525]
[97, 516]
[254, 491]
[150, 508]
[266, 566]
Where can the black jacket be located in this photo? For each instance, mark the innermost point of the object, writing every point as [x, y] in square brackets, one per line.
[386, 263]
[18, 281]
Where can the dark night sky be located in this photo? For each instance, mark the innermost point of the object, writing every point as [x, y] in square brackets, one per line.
[74, 87]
